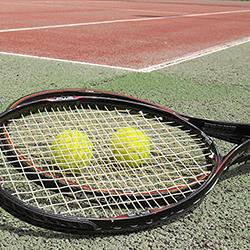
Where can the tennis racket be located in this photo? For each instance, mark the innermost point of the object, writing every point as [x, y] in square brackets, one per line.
[109, 190]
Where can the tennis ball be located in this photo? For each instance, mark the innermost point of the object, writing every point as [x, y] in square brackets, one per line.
[71, 150]
[130, 146]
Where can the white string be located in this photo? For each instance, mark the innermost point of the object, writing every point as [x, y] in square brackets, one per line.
[105, 187]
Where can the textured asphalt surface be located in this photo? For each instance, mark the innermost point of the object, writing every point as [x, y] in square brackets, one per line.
[216, 86]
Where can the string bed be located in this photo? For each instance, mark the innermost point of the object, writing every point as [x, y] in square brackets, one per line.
[176, 165]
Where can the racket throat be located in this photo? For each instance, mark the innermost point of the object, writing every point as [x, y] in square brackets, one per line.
[238, 155]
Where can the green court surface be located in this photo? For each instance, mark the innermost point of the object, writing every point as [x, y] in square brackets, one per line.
[215, 86]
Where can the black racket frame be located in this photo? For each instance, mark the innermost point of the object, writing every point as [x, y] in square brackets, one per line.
[237, 133]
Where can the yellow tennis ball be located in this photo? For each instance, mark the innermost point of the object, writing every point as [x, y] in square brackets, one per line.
[130, 146]
[71, 150]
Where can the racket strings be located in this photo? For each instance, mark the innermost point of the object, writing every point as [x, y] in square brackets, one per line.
[105, 187]
[157, 180]
[47, 147]
[136, 182]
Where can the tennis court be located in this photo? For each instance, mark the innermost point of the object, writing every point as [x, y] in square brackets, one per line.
[191, 56]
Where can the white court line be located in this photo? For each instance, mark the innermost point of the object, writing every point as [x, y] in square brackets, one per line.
[149, 69]
[81, 24]
[121, 21]
[195, 55]
[69, 61]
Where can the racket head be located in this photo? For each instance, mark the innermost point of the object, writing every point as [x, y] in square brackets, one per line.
[228, 131]
[132, 219]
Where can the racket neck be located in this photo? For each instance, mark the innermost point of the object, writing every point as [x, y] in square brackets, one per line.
[239, 154]
[230, 132]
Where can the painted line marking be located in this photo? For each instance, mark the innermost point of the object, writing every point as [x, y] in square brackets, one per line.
[194, 55]
[81, 24]
[69, 61]
[120, 21]
[151, 68]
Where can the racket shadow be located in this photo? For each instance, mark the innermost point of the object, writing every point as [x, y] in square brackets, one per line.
[29, 231]
[47, 234]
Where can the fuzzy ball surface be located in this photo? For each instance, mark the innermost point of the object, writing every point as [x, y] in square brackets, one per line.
[130, 146]
[72, 150]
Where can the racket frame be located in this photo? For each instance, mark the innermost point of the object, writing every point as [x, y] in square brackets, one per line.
[124, 223]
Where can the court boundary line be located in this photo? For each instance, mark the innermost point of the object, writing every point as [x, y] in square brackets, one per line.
[69, 61]
[120, 21]
[194, 55]
[166, 64]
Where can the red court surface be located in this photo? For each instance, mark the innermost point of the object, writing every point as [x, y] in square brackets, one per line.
[127, 34]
